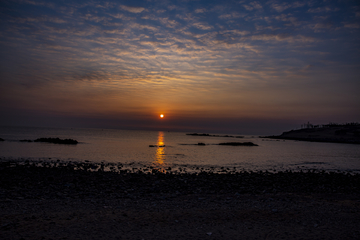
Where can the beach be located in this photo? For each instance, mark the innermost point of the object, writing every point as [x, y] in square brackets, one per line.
[63, 202]
[181, 119]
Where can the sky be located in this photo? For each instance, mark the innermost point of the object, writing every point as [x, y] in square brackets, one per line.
[246, 67]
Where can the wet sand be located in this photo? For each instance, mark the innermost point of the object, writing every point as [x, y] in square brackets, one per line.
[43, 202]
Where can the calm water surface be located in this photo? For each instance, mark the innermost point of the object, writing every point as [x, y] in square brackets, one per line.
[132, 147]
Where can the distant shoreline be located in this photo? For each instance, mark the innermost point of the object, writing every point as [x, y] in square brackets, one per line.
[332, 134]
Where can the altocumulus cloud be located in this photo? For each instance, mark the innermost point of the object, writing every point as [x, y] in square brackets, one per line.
[132, 9]
[181, 56]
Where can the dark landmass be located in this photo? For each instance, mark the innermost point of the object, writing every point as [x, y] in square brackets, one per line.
[1, 140]
[330, 133]
[43, 200]
[239, 144]
[57, 140]
[225, 144]
[210, 135]
[49, 140]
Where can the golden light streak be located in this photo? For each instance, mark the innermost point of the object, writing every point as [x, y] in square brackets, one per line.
[160, 151]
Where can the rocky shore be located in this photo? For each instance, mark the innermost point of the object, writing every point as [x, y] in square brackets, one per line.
[334, 134]
[78, 201]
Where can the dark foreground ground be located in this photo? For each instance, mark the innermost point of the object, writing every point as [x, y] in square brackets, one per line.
[45, 202]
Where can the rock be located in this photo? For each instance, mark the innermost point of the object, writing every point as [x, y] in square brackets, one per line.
[239, 144]
[212, 135]
[57, 140]
[198, 134]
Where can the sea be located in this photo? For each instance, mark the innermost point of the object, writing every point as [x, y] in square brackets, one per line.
[176, 150]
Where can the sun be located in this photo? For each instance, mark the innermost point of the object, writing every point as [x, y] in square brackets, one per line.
[161, 115]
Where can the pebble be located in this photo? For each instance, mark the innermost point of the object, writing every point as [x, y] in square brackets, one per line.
[26, 181]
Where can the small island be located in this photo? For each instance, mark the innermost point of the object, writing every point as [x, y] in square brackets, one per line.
[57, 140]
[49, 140]
[224, 144]
[212, 135]
[238, 144]
[332, 132]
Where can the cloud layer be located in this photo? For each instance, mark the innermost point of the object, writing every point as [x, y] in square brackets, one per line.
[214, 59]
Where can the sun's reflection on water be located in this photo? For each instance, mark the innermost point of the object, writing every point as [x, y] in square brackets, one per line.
[160, 156]
[160, 151]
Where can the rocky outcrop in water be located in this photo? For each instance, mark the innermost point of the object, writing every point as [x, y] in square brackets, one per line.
[225, 144]
[212, 135]
[57, 140]
[239, 144]
[157, 146]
